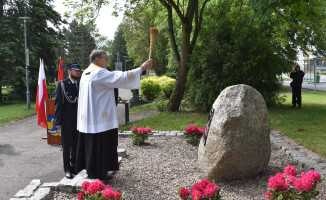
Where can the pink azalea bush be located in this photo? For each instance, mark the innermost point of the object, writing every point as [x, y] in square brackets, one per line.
[203, 190]
[193, 134]
[290, 185]
[138, 136]
[98, 191]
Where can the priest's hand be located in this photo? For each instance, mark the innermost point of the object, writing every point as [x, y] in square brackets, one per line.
[146, 65]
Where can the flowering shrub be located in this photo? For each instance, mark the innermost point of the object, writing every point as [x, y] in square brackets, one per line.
[290, 185]
[204, 190]
[98, 191]
[193, 134]
[138, 136]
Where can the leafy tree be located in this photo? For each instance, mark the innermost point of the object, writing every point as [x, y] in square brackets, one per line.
[41, 42]
[190, 15]
[118, 45]
[237, 46]
[294, 24]
[62, 52]
[282, 26]
[80, 42]
[7, 43]
[236, 52]
[102, 42]
[136, 26]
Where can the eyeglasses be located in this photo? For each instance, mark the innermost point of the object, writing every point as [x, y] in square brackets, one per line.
[104, 58]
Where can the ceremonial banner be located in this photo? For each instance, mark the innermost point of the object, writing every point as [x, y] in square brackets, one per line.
[42, 96]
[53, 134]
[61, 74]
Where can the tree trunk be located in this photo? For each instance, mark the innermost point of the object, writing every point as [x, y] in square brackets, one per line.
[179, 88]
[187, 45]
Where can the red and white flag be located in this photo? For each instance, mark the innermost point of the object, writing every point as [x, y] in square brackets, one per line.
[61, 74]
[42, 95]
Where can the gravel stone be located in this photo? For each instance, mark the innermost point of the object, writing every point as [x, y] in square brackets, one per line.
[155, 170]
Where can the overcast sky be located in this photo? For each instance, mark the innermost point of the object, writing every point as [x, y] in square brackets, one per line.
[106, 23]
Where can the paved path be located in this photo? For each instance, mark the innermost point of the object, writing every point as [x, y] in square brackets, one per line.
[125, 95]
[311, 86]
[25, 156]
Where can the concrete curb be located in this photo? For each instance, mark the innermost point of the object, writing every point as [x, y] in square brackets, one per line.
[304, 157]
[37, 191]
[154, 133]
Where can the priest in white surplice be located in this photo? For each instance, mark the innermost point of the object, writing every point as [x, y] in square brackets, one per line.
[97, 118]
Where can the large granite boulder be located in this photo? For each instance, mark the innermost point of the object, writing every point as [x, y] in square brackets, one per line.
[238, 142]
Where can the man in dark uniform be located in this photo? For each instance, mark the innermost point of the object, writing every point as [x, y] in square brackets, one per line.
[66, 99]
[297, 76]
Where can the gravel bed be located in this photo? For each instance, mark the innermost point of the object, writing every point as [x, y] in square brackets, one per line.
[157, 169]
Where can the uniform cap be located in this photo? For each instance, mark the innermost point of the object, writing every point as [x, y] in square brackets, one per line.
[73, 66]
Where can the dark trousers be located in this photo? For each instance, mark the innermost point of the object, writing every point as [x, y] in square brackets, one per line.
[296, 95]
[69, 139]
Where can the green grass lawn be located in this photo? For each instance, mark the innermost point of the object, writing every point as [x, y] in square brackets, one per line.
[306, 126]
[284, 88]
[170, 121]
[141, 108]
[14, 112]
[284, 78]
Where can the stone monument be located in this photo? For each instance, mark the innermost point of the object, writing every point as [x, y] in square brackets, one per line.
[238, 139]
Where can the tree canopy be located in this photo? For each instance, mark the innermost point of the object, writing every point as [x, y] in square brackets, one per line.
[189, 14]
[80, 42]
[42, 40]
[136, 25]
[118, 45]
[293, 24]
[206, 45]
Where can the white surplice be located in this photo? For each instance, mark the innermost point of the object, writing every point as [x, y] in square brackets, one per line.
[97, 110]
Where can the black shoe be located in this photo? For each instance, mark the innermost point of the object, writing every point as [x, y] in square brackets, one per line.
[293, 106]
[68, 175]
[299, 107]
[73, 172]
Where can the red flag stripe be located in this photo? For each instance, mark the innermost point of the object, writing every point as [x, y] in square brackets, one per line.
[61, 74]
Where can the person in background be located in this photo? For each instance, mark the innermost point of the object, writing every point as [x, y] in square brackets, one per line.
[66, 104]
[97, 118]
[296, 84]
